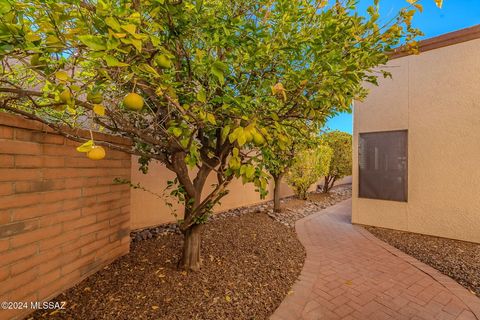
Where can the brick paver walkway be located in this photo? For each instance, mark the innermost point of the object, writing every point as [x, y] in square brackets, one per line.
[349, 274]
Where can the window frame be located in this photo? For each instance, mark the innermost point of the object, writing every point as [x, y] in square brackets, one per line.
[405, 200]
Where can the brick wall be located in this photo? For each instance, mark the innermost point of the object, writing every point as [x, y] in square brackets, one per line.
[61, 216]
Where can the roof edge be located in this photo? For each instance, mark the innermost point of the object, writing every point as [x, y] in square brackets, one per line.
[444, 40]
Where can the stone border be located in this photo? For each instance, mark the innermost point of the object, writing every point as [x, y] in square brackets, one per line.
[470, 300]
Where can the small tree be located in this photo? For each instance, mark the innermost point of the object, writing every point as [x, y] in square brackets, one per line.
[309, 166]
[279, 155]
[341, 162]
[197, 85]
[277, 162]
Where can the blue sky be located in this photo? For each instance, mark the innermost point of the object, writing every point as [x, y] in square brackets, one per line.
[455, 15]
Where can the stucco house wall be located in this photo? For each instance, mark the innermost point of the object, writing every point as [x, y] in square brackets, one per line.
[436, 97]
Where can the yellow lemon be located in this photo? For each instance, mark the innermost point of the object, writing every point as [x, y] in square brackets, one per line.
[133, 101]
[96, 153]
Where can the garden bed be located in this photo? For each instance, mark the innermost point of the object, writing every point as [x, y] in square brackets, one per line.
[249, 265]
[457, 259]
[251, 258]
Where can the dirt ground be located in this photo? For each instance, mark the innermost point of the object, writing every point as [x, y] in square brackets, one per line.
[249, 262]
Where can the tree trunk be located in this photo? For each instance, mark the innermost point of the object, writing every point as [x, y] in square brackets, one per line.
[325, 184]
[333, 183]
[191, 248]
[303, 195]
[329, 183]
[276, 193]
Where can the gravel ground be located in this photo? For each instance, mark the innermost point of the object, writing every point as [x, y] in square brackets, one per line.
[457, 259]
[295, 209]
[249, 265]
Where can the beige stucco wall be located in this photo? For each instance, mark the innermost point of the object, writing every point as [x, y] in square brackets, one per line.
[149, 210]
[436, 96]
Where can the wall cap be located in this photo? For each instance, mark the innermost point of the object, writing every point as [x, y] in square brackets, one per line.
[17, 121]
[444, 40]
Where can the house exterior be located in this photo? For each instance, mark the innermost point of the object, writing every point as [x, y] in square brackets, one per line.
[416, 142]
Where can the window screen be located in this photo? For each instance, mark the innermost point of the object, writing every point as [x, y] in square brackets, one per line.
[383, 165]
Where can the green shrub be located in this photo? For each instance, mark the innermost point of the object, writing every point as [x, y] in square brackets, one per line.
[309, 166]
[341, 162]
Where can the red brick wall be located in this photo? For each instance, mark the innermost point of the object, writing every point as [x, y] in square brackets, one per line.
[61, 216]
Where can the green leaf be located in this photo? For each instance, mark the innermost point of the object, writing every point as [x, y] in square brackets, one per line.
[211, 118]
[184, 142]
[234, 163]
[218, 70]
[32, 37]
[148, 69]
[220, 66]
[249, 171]
[93, 42]
[219, 74]
[177, 132]
[5, 6]
[62, 75]
[113, 62]
[242, 139]
[234, 135]
[86, 147]
[130, 28]
[134, 42]
[202, 95]
[225, 132]
[113, 23]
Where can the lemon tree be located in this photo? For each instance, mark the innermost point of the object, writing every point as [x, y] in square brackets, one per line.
[199, 85]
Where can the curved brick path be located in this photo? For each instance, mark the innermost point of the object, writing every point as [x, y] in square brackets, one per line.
[349, 274]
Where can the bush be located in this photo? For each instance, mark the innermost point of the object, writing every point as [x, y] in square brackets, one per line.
[309, 166]
[341, 162]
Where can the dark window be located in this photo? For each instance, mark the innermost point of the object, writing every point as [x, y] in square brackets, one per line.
[382, 158]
